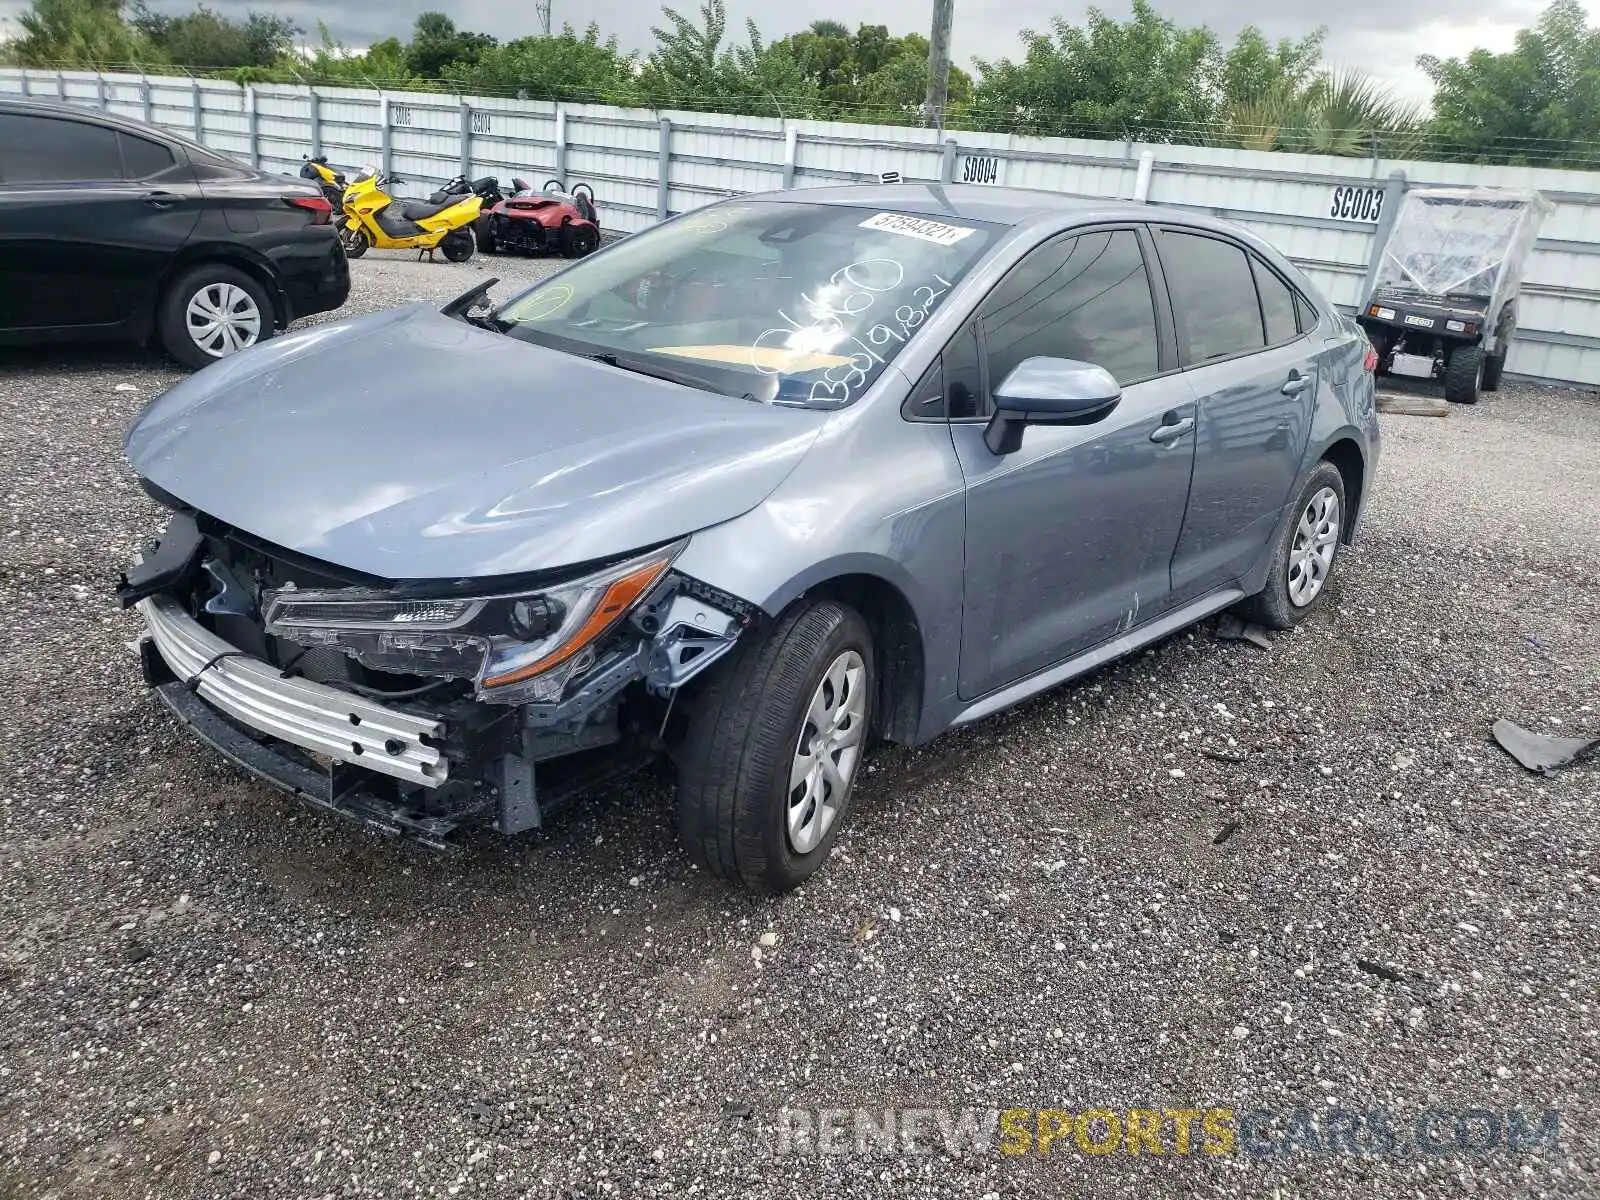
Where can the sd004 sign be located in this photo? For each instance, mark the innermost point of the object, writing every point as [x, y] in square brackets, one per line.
[1357, 203]
[978, 168]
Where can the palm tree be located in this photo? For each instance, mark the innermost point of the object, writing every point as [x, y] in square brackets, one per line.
[1344, 113]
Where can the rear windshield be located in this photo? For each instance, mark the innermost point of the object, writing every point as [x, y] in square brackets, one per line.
[785, 303]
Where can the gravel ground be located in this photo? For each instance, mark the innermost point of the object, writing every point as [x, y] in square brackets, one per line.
[1210, 876]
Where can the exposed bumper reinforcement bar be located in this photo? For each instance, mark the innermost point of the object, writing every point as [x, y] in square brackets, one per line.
[318, 788]
[321, 719]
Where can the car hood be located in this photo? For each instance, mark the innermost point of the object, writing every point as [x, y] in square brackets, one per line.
[410, 445]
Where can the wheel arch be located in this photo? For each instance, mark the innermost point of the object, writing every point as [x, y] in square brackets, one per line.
[1346, 455]
[231, 255]
[897, 636]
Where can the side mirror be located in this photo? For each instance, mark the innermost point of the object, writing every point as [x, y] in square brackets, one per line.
[1049, 391]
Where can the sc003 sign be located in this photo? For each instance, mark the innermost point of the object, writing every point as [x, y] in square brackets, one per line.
[1356, 203]
[978, 168]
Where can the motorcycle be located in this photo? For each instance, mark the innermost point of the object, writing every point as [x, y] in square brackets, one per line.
[530, 221]
[376, 219]
[332, 182]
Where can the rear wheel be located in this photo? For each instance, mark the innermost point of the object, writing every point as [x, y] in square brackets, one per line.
[1304, 555]
[768, 768]
[1493, 367]
[457, 245]
[1464, 375]
[579, 240]
[212, 311]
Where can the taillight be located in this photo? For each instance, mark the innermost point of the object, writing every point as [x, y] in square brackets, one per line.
[319, 208]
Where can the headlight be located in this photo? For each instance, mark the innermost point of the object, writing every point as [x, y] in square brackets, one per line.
[514, 647]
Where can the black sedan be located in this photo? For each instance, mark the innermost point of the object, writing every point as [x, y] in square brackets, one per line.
[112, 229]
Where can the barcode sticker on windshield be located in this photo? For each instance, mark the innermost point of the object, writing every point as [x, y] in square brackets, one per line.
[918, 227]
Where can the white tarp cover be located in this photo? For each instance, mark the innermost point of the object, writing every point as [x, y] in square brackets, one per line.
[1463, 241]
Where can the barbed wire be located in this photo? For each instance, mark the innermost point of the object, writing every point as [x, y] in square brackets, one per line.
[1390, 143]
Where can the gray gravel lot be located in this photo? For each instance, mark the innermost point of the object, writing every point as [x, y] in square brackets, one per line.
[205, 991]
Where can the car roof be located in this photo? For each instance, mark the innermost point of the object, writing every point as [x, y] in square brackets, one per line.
[60, 108]
[979, 202]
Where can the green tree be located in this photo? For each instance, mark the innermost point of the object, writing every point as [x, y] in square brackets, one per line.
[1145, 77]
[1254, 69]
[436, 43]
[1538, 103]
[584, 70]
[868, 75]
[77, 33]
[206, 40]
[691, 68]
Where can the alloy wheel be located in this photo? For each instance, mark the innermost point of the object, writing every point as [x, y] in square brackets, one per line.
[1316, 539]
[223, 319]
[829, 751]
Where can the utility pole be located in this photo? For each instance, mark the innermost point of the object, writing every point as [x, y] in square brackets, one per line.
[939, 63]
[542, 10]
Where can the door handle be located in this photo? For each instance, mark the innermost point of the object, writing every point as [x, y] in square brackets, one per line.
[1173, 431]
[162, 199]
[1297, 383]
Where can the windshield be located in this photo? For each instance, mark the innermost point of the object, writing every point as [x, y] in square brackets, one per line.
[785, 303]
[1445, 245]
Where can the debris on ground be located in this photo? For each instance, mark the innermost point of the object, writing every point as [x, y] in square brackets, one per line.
[1542, 752]
[1235, 629]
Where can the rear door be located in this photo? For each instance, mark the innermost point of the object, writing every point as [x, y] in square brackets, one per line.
[90, 215]
[1254, 376]
[1070, 539]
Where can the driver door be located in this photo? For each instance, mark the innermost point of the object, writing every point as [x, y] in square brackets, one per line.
[1069, 541]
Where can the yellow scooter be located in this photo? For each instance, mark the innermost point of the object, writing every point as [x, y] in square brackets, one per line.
[374, 218]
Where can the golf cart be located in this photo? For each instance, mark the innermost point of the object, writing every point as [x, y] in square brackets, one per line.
[1445, 302]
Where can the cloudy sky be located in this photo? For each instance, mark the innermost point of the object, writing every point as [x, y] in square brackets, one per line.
[1382, 36]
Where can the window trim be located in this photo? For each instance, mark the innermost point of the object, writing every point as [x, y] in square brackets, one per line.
[1259, 263]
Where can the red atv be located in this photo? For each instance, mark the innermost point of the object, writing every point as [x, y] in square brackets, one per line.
[552, 221]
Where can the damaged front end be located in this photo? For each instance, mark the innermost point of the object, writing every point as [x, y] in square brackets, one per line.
[420, 707]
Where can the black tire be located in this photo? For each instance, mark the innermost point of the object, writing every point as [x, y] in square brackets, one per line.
[1463, 375]
[483, 234]
[1274, 606]
[173, 324]
[1493, 367]
[736, 759]
[356, 242]
[578, 240]
[457, 245]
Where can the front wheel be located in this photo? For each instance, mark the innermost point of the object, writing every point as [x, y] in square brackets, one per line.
[1304, 554]
[457, 245]
[767, 770]
[1464, 374]
[355, 239]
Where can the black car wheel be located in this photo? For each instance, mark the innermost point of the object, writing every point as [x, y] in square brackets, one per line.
[1464, 375]
[1493, 367]
[768, 768]
[579, 240]
[1304, 555]
[212, 311]
[457, 245]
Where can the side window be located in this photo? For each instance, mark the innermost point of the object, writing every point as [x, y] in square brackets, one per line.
[926, 401]
[1277, 304]
[1307, 314]
[963, 375]
[1085, 296]
[47, 150]
[1213, 296]
[142, 158]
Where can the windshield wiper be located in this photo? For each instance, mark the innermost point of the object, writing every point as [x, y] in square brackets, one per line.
[700, 381]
